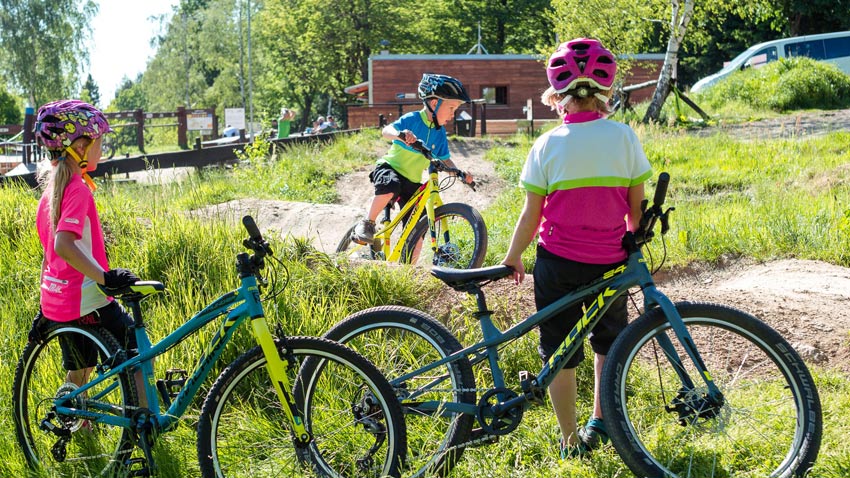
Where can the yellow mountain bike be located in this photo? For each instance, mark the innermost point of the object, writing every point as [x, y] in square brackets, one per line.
[456, 232]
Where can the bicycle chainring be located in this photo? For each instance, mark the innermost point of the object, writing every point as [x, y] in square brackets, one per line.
[71, 424]
[504, 421]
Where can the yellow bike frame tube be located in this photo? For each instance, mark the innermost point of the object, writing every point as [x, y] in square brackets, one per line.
[276, 367]
[415, 205]
[430, 207]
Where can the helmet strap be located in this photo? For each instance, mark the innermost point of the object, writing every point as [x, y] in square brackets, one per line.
[434, 112]
[83, 163]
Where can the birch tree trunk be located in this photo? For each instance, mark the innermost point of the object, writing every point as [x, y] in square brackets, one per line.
[679, 19]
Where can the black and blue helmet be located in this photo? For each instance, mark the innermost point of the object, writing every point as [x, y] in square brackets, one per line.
[442, 87]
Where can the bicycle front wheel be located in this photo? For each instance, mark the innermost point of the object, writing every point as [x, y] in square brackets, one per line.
[61, 445]
[355, 422]
[769, 423]
[399, 340]
[461, 239]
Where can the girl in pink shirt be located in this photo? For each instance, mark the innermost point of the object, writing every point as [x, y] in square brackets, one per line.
[584, 185]
[70, 231]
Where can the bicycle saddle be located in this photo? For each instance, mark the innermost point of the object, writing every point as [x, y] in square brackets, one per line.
[464, 280]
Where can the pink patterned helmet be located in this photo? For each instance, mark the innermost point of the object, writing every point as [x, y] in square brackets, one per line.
[578, 61]
[60, 123]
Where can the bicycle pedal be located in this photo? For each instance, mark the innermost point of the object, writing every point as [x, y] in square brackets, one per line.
[530, 388]
[137, 467]
[175, 379]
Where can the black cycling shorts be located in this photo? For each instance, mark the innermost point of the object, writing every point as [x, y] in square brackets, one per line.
[387, 180]
[554, 277]
[78, 352]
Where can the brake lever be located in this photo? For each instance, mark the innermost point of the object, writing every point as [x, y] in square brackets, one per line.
[665, 222]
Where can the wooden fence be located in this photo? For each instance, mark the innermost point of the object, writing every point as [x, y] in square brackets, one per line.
[197, 158]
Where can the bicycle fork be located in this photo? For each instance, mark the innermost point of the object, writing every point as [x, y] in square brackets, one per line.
[689, 404]
[276, 365]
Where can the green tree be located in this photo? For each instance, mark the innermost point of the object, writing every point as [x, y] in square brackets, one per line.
[10, 110]
[623, 26]
[45, 43]
[90, 92]
[129, 96]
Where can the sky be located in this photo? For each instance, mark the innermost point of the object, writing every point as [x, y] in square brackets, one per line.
[122, 32]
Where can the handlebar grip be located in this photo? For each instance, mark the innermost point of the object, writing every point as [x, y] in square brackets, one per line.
[661, 189]
[251, 227]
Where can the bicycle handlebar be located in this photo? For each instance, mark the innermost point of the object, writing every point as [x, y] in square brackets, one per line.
[650, 215]
[255, 242]
[661, 189]
[420, 147]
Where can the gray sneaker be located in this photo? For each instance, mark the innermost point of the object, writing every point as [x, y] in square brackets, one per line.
[364, 232]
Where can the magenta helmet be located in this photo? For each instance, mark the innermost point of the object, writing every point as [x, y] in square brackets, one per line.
[60, 123]
[581, 61]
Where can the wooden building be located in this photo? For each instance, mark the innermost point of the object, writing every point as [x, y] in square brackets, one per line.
[501, 84]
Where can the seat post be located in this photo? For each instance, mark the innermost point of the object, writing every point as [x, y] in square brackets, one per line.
[136, 311]
[480, 301]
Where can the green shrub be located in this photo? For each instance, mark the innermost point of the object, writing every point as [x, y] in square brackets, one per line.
[784, 85]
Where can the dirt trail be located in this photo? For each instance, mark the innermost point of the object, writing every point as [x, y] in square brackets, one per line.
[326, 223]
[807, 301]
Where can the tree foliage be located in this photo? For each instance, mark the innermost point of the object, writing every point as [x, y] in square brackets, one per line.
[45, 42]
[90, 92]
[10, 111]
[303, 53]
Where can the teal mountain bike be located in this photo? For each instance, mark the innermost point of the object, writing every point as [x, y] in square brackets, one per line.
[688, 389]
[290, 406]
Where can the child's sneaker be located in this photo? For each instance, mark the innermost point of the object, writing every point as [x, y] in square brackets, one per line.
[569, 452]
[593, 435]
[364, 232]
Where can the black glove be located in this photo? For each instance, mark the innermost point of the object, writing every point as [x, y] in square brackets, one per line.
[118, 278]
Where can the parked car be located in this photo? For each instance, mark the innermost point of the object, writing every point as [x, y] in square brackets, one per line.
[831, 47]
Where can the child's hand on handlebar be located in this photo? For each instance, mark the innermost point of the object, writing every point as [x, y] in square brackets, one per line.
[467, 177]
[407, 137]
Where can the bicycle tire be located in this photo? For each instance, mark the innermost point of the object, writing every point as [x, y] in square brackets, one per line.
[93, 449]
[243, 429]
[769, 425]
[464, 248]
[399, 340]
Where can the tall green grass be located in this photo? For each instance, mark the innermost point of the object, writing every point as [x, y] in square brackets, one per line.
[758, 198]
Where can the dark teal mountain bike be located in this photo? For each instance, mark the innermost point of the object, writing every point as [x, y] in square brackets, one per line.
[290, 406]
[688, 389]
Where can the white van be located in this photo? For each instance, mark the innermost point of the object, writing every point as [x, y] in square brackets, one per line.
[831, 47]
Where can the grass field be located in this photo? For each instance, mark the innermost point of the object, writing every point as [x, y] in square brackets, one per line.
[757, 198]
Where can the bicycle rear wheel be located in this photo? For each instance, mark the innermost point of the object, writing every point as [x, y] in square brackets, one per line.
[356, 423]
[64, 445]
[769, 424]
[461, 237]
[399, 340]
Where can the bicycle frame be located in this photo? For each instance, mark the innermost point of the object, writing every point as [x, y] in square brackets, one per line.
[236, 307]
[610, 286]
[426, 200]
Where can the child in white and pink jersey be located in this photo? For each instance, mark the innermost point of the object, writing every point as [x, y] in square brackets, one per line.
[70, 231]
[584, 186]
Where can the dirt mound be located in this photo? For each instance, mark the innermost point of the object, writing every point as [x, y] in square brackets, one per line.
[806, 301]
[325, 224]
